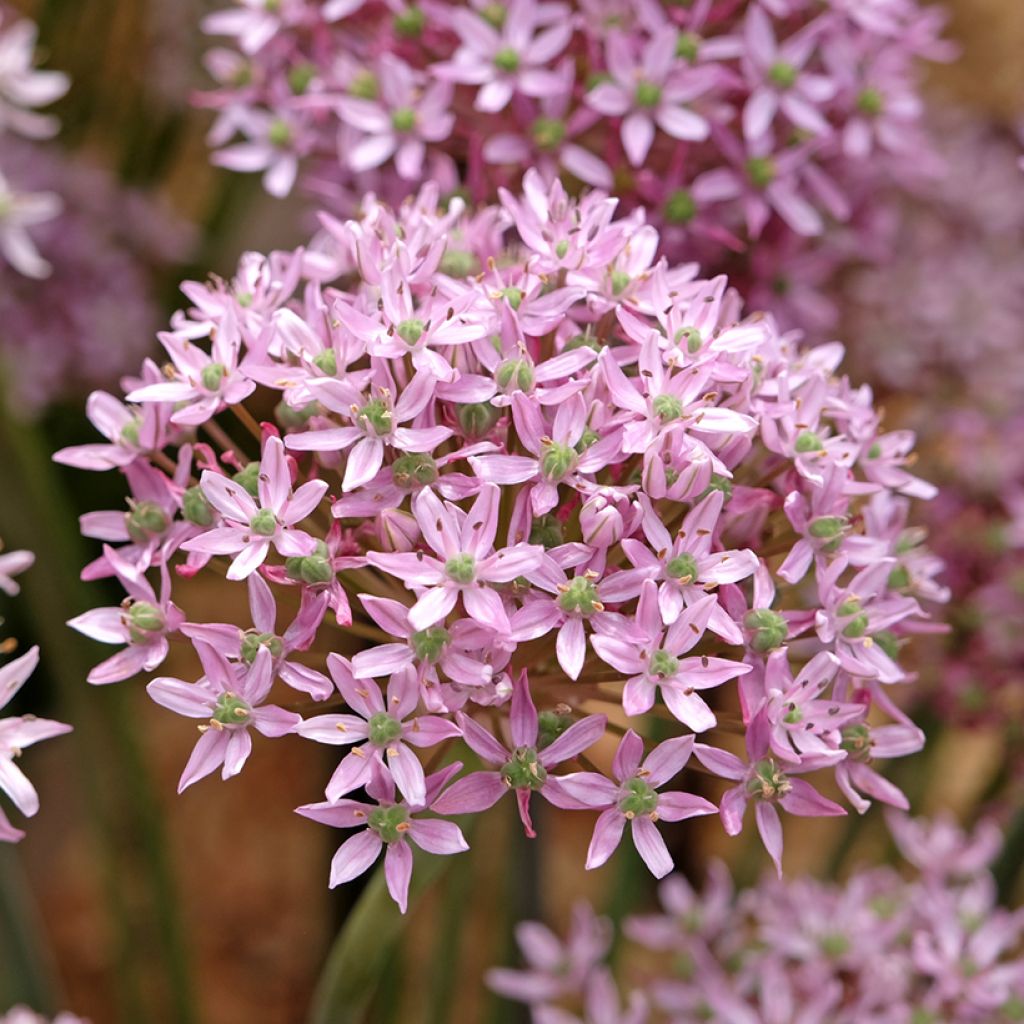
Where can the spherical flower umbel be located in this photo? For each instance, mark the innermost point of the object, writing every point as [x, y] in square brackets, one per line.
[541, 497]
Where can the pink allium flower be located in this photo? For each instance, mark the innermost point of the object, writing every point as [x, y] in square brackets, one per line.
[383, 724]
[232, 699]
[524, 765]
[251, 526]
[635, 800]
[390, 826]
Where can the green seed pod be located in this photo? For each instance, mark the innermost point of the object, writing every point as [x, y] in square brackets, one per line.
[683, 568]
[231, 710]
[641, 798]
[524, 770]
[144, 617]
[515, 375]
[195, 508]
[478, 418]
[667, 408]
[808, 441]
[409, 22]
[249, 478]
[580, 596]
[429, 644]
[461, 568]
[506, 59]
[768, 629]
[410, 331]
[383, 729]
[326, 362]
[557, 462]
[414, 469]
[403, 119]
[827, 527]
[145, 519]
[253, 641]
[390, 823]
[264, 523]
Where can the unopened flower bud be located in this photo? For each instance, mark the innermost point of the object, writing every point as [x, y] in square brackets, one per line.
[398, 530]
[601, 523]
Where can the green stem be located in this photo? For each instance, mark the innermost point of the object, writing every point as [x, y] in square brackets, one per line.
[366, 945]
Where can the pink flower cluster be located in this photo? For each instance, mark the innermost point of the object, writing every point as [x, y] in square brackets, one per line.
[520, 483]
[725, 120]
[877, 949]
[958, 376]
[18, 732]
[22, 89]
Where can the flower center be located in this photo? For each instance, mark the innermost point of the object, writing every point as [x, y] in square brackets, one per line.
[377, 415]
[515, 373]
[637, 798]
[524, 770]
[146, 519]
[264, 523]
[390, 823]
[768, 782]
[856, 741]
[682, 568]
[557, 462]
[647, 94]
[808, 441]
[460, 568]
[667, 408]
[326, 362]
[403, 119]
[506, 59]
[410, 331]
[870, 102]
[429, 644]
[782, 74]
[663, 665]
[231, 710]
[144, 618]
[252, 641]
[761, 170]
[384, 729]
[580, 596]
[548, 132]
[414, 469]
[212, 375]
[681, 207]
[768, 629]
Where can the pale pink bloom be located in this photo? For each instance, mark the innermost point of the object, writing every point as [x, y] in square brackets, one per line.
[514, 58]
[466, 565]
[250, 527]
[15, 735]
[12, 564]
[22, 86]
[20, 211]
[633, 798]
[524, 766]
[656, 661]
[768, 784]
[390, 826]
[410, 113]
[651, 92]
[142, 621]
[780, 79]
[385, 725]
[232, 699]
